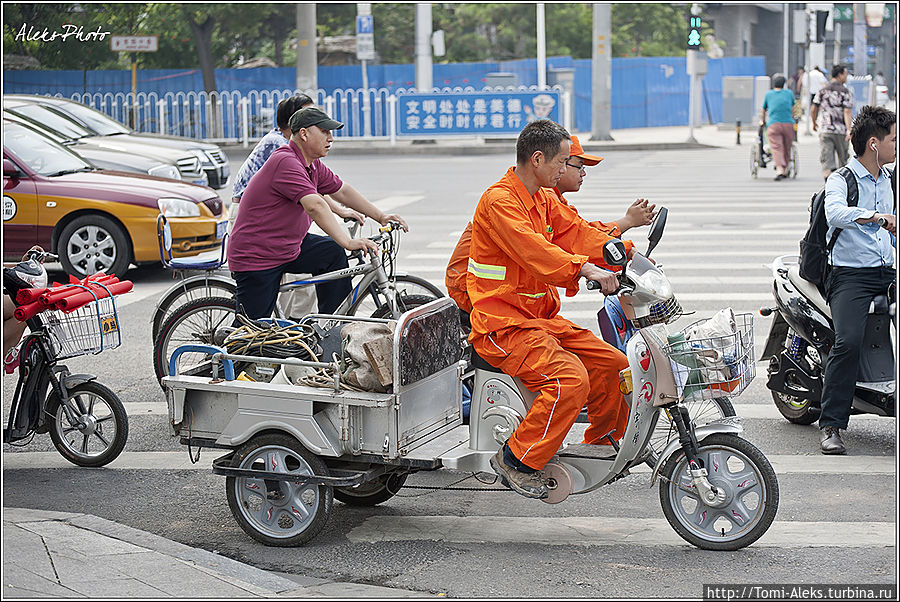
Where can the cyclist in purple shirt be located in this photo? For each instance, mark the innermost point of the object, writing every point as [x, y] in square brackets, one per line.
[277, 138]
[270, 235]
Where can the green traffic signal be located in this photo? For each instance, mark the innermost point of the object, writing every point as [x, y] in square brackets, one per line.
[693, 40]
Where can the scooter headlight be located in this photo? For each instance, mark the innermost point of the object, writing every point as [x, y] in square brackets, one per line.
[656, 283]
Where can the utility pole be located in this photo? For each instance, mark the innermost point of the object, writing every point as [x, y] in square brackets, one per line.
[601, 74]
[785, 34]
[541, 48]
[859, 40]
[424, 77]
[307, 59]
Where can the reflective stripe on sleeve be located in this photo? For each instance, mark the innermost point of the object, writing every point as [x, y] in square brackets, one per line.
[490, 272]
[532, 295]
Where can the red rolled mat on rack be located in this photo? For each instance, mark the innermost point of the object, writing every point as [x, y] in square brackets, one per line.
[55, 294]
[29, 295]
[29, 310]
[73, 302]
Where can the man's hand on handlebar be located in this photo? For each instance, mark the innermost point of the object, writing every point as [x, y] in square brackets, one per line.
[350, 215]
[393, 217]
[886, 221]
[608, 281]
[362, 244]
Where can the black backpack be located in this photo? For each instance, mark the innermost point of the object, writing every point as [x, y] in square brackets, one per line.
[814, 251]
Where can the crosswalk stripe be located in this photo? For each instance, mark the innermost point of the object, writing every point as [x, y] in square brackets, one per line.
[783, 464]
[755, 411]
[605, 531]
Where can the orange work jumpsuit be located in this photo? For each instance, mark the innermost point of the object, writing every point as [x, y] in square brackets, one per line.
[522, 248]
[455, 277]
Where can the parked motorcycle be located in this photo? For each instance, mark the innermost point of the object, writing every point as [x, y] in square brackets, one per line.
[802, 335]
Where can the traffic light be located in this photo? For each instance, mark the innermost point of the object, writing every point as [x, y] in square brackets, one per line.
[821, 20]
[693, 39]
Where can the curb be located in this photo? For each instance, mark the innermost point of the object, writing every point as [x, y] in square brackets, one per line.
[255, 581]
[351, 148]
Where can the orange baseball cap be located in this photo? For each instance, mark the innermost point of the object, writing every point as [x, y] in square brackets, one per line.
[577, 151]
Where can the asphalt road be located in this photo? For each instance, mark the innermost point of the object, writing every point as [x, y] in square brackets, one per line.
[837, 518]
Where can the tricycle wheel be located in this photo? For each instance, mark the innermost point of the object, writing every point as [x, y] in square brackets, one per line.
[734, 466]
[372, 492]
[278, 513]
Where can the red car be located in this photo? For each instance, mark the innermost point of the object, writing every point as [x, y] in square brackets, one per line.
[96, 220]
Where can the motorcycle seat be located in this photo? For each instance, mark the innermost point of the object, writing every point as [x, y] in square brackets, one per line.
[481, 364]
[808, 290]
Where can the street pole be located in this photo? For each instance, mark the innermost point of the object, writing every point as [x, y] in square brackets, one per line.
[692, 71]
[601, 74]
[837, 42]
[859, 40]
[424, 78]
[307, 60]
[786, 34]
[541, 48]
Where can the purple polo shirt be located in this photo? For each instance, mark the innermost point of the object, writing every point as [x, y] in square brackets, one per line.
[272, 223]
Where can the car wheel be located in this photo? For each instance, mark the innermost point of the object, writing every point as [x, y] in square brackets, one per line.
[94, 243]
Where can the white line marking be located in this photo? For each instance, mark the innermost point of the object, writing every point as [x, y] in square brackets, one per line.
[606, 531]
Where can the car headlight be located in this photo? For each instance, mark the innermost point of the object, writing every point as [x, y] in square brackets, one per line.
[165, 171]
[178, 207]
[204, 158]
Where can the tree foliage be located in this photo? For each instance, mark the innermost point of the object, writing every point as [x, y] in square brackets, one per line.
[208, 36]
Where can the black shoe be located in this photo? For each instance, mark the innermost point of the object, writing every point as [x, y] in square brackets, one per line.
[831, 441]
[780, 176]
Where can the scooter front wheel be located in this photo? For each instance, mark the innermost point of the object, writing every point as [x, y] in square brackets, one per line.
[702, 411]
[94, 431]
[738, 469]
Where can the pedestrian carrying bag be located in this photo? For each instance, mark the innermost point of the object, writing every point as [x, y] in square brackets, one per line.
[814, 250]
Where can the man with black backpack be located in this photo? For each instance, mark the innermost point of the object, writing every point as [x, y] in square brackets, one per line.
[861, 259]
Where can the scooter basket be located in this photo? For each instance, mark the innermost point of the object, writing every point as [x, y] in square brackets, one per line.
[91, 328]
[717, 366]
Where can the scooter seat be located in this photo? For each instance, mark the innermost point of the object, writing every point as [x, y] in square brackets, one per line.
[481, 364]
[808, 290]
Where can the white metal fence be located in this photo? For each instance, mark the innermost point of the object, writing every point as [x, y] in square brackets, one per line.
[244, 117]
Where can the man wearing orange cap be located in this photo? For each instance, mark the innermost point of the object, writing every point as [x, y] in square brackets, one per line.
[639, 213]
[524, 244]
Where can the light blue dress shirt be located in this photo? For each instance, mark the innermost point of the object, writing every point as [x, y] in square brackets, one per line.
[859, 245]
[263, 149]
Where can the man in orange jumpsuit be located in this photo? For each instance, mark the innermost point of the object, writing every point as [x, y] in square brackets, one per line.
[525, 243]
[639, 213]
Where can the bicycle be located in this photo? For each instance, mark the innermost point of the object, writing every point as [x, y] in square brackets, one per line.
[213, 282]
[87, 421]
[380, 293]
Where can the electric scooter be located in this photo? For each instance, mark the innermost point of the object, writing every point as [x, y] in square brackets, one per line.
[800, 338]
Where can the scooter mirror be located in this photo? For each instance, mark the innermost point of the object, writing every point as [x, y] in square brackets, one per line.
[656, 229]
[614, 253]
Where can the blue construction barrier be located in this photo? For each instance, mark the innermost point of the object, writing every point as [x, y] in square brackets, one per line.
[646, 92]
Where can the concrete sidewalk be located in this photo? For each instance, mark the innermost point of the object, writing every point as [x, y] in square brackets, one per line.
[66, 555]
[655, 138]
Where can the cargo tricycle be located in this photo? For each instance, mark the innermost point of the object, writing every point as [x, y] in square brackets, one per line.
[306, 436]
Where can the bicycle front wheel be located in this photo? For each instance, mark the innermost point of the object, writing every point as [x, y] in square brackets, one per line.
[190, 290]
[201, 321]
[407, 287]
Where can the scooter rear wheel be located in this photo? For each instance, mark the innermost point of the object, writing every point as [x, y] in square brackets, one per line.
[795, 409]
[737, 468]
